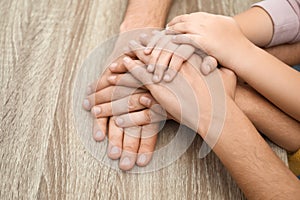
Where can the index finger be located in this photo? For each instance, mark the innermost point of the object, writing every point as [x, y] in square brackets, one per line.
[153, 42]
[178, 19]
[102, 82]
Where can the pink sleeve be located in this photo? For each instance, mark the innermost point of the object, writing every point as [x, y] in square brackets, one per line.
[285, 15]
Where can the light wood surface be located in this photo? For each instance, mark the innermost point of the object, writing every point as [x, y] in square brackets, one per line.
[42, 156]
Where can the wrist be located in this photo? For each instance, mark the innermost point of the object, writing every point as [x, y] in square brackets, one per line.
[210, 129]
[133, 24]
[246, 50]
[139, 20]
[142, 15]
[253, 21]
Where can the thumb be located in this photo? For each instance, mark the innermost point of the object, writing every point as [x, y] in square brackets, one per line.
[190, 39]
[208, 65]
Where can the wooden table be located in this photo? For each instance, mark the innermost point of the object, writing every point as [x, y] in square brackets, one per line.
[43, 46]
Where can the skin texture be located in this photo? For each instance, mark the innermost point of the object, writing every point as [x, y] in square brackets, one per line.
[287, 53]
[253, 21]
[274, 133]
[122, 144]
[239, 145]
[132, 144]
[275, 124]
[141, 15]
[256, 20]
[245, 96]
[271, 121]
[237, 155]
[166, 57]
[201, 29]
[128, 149]
[268, 119]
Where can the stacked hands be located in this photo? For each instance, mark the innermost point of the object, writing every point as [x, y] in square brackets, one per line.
[128, 107]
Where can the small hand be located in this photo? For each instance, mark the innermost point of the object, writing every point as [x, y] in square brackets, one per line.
[219, 36]
[166, 57]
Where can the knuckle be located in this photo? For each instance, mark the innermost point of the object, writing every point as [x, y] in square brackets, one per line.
[166, 55]
[181, 52]
[132, 102]
[115, 140]
[147, 146]
[176, 60]
[133, 131]
[147, 136]
[147, 116]
[117, 79]
[161, 66]
[130, 146]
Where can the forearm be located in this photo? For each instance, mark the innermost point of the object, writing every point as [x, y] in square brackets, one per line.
[287, 53]
[281, 18]
[142, 14]
[272, 78]
[256, 25]
[251, 162]
[267, 118]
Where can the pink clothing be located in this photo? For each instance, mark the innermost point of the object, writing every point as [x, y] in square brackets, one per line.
[286, 20]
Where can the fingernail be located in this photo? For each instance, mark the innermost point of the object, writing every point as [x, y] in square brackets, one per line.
[113, 66]
[112, 78]
[126, 161]
[86, 104]
[155, 79]
[142, 159]
[146, 101]
[119, 121]
[96, 110]
[99, 134]
[206, 69]
[115, 150]
[89, 90]
[147, 50]
[150, 68]
[167, 77]
[126, 59]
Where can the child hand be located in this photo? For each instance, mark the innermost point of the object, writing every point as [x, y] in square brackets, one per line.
[217, 35]
[167, 58]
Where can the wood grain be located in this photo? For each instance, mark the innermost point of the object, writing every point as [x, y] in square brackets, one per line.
[43, 44]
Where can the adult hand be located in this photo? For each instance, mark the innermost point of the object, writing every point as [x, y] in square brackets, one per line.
[135, 143]
[167, 57]
[187, 95]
